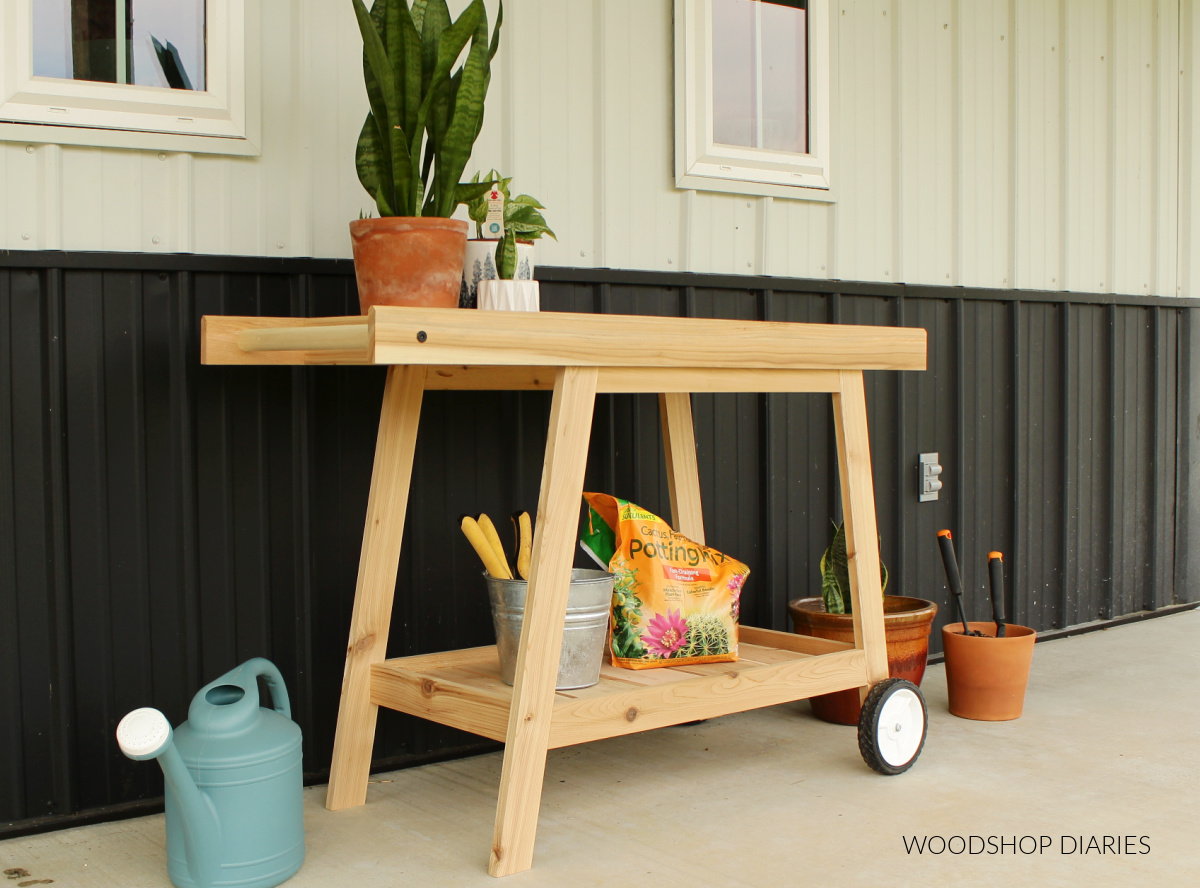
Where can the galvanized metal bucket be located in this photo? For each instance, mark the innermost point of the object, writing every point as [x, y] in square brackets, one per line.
[584, 629]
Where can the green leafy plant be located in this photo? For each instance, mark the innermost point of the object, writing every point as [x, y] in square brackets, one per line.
[424, 119]
[522, 220]
[835, 574]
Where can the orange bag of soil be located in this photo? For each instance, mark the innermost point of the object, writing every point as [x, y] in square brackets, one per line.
[674, 601]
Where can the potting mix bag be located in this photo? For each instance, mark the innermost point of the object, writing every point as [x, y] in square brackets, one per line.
[674, 600]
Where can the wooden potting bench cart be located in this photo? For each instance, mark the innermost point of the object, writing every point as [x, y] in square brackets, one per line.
[577, 356]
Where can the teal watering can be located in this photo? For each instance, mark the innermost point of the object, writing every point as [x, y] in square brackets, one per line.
[233, 782]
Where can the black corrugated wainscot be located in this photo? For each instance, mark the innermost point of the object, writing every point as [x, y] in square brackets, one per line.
[161, 521]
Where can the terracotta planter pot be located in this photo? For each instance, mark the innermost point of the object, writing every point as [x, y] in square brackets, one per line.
[403, 260]
[907, 623]
[986, 677]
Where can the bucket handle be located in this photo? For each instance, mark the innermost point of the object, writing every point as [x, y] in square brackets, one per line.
[262, 668]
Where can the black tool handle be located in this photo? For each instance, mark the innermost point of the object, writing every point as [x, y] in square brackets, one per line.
[996, 574]
[952, 578]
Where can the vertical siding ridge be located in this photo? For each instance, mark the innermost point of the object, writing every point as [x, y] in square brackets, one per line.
[1108, 601]
[1022, 611]
[63, 740]
[1069, 517]
[599, 172]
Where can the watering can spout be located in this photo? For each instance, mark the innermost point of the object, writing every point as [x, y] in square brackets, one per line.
[146, 734]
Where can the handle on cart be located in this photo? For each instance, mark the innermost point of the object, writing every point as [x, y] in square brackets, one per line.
[996, 574]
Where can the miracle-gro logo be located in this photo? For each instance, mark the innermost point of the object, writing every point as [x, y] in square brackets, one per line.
[1026, 844]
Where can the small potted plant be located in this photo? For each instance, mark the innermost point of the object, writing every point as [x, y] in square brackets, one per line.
[415, 142]
[502, 249]
[907, 623]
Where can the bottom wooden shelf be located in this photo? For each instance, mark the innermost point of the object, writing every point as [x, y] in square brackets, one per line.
[463, 688]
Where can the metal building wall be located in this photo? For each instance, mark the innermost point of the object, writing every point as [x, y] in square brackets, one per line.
[1034, 144]
[161, 521]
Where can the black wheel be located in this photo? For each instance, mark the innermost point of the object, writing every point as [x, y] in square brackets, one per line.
[892, 726]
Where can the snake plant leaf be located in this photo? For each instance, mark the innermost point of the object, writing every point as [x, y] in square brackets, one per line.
[506, 255]
[437, 20]
[403, 43]
[418, 14]
[487, 74]
[496, 32]
[377, 62]
[835, 573]
[374, 167]
[449, 45]
[405, 177]
[469, 192]
[460, 136]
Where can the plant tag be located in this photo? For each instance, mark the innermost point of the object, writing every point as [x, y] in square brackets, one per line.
[494, 223]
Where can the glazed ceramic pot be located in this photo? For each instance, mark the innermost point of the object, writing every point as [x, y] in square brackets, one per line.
[907, 623]
[480, 265]
[986, 677]
[404, 260]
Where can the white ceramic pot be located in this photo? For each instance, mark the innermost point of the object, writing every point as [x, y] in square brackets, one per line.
[509, 296]
[480, 265]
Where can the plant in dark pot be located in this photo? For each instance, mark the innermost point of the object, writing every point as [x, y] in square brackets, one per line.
[506, 229]
[907, 623]
[424, 119]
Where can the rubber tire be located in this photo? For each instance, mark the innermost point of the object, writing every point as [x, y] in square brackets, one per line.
[868, 725]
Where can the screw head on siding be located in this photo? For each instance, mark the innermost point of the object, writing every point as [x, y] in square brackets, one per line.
[29, 149]
[25, 236]
[156, 239]
[162, 157]
[279, 245]
[583, 252]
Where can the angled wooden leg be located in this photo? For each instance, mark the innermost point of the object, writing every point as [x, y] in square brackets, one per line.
[683, 474]
[541, 634]
[376, 584]
[862, 534]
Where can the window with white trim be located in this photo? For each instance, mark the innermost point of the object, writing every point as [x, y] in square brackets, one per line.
[163, 74]
[752, 97]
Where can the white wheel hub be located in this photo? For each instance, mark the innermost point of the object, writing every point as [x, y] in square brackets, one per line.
[900, 727]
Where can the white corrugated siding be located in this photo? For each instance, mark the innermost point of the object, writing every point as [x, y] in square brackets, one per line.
[988, 143]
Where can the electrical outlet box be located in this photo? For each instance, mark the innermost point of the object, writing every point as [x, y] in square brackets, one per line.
[929, 482]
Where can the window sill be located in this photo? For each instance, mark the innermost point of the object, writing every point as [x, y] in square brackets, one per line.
[100, 137]
[760, 189]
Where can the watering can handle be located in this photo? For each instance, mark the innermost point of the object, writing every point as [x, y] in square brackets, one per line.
[265, 669]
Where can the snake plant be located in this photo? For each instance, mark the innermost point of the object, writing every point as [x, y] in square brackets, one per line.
[424, 119]
[835, 574]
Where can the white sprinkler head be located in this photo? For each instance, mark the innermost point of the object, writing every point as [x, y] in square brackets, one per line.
[143, 733]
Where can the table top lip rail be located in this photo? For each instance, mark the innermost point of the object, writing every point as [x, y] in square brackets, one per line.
[464, 337]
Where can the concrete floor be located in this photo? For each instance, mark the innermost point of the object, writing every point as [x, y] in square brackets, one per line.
[1108, 746]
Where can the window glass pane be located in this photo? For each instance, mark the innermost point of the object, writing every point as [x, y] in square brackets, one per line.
[163, 41]
[733, 59]
[784, 78]
[760, 75]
